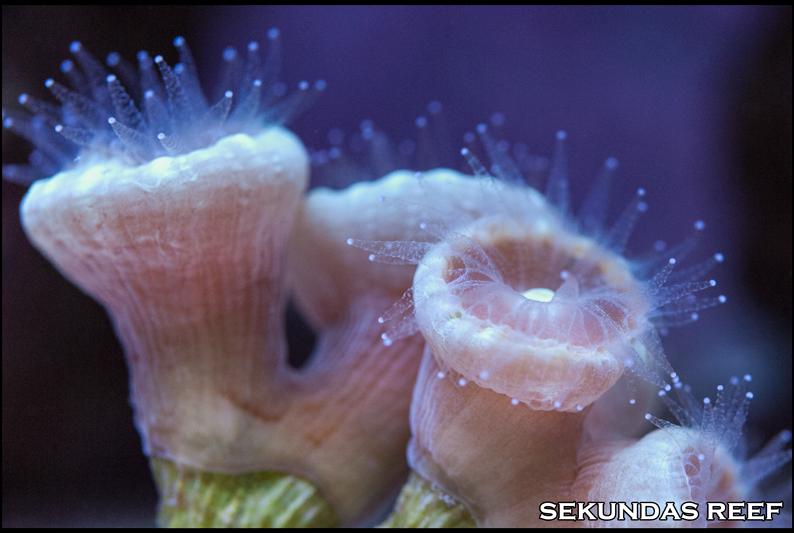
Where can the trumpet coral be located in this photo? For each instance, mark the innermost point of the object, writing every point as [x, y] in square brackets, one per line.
[691, 462]
[175, 215]
[528, 322]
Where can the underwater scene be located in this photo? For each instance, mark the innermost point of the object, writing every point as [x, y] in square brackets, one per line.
[397, 266]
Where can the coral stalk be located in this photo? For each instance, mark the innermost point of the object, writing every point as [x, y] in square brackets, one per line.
[192, 498]
[422, 506]
[464, 435]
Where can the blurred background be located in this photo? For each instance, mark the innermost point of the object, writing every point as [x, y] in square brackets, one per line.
[694, 101]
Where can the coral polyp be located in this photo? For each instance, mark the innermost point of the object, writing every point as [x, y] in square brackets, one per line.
[177, 218]
[483, 302]
[520, 261]
[484, 339]
[530, 316]
[697, 461]
[157, 111]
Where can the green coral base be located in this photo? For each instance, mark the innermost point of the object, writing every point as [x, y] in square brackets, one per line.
[192, 498]
[420, 505]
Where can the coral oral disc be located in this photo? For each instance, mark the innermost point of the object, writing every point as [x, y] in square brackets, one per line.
[483, 304]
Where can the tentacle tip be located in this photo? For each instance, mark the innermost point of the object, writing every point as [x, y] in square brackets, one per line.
[229, 53]
[498, 119]
[113, 59]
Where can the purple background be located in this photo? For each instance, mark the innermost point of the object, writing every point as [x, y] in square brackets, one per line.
[694, 101]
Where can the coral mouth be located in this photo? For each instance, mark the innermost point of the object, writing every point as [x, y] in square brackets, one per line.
[563, 289]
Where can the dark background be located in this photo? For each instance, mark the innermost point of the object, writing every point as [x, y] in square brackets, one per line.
[694, 101]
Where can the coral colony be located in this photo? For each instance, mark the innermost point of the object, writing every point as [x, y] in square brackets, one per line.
[504, 342]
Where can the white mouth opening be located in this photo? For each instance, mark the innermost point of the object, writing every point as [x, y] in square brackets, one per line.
[539, 294]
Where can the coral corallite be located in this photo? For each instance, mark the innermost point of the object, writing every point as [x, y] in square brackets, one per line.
[529, 319]
[185, 254]
[696, 461]
[176, 216]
